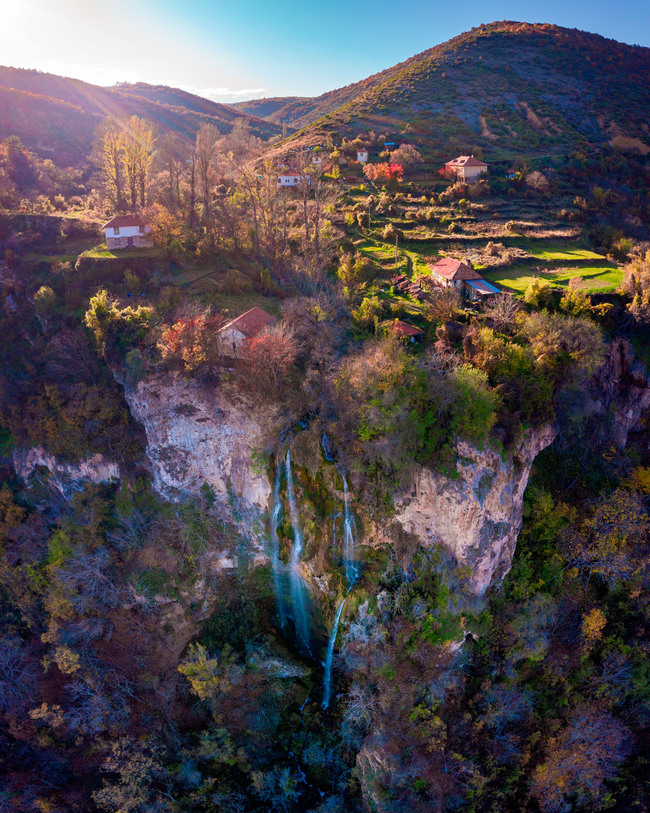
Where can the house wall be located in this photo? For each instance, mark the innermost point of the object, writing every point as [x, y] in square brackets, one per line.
[447, 283]
[123, 231]
[138, 240]
[362, 156]
[290, 180]
[470, 174]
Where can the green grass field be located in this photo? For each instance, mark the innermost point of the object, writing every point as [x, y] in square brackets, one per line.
[103, 253]
[597, 278]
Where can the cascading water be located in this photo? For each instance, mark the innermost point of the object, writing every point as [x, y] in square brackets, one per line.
[351, 571]
[349, 536]
[329, 657]
[276, 564]
[298, 598]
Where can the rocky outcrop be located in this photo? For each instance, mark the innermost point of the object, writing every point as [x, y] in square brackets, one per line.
[477, 516]
[199, 434]
[620, 390]
[66, 477]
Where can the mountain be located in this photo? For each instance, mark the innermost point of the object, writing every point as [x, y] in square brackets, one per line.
[278, 109]
[505, 87]
[61, 113]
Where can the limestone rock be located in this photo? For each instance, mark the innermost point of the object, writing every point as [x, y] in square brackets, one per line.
[478, 515]
[621, 389]
[197, 434]
[66, 477]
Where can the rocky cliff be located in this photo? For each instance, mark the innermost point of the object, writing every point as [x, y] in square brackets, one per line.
[66, 477]
[199, 434]
[477, 515]
[620, 390]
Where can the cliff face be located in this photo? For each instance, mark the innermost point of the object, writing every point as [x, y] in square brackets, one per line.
[66, 477]
[197, 435]
[478, 515]
[621, 390]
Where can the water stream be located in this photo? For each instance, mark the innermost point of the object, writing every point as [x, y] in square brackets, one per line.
[329, 657]
[297, 584]
[276, 564]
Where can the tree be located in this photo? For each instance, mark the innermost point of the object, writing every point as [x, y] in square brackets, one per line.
[406, 156]
[137, 146]
[568, 347]
[505, 311]
[112, 161]
[192, 343]
[390, 174]
[269, 358]
[206, 164]
[579, 760]
[636, 285]
[539, 293]
[173, 155]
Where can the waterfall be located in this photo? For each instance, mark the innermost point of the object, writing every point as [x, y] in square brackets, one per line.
[349, 534]
[327, 680]
[275, 548]
[297, 584]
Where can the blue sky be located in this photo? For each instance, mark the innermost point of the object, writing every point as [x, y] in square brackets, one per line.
[237, 49]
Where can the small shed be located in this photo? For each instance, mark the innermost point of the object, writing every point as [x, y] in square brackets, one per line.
[478, 290]
[247, 326]
[362, 156]
[127, 231]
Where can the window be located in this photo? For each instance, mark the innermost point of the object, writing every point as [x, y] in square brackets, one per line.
[141, 229]
[116, 230]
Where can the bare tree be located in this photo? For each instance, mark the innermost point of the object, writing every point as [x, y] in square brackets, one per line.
[17, 677]
[504, 311]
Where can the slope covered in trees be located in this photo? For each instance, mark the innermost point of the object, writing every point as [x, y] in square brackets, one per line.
[61, 113]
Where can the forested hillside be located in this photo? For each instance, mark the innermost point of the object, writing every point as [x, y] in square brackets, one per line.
[61, 114]
[504, 87]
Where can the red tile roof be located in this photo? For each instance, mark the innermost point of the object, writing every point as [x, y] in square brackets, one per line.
[251, 322]
[454, 270]
[466, 161]
[400, 328]
[124, 220]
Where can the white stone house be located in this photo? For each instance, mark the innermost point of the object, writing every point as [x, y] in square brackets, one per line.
[233, 335]
[362, 156]
[466, 168]
[452, 273]
[290, 178]
[127, 231]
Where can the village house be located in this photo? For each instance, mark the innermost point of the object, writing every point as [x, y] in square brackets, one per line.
[406, 331]
[450, 273]
[127, 231]
[466, 168]
[362, 156]
[290, 178]
[246, 326]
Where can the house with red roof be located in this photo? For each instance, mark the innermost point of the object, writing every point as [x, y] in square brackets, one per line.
[466, 168]
[406, 331]
[247, 326]
[450, 273]
[127, 231]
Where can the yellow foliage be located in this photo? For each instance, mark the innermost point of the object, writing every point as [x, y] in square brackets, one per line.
[593, 624]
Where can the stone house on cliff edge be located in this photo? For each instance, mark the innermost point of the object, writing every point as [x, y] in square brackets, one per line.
[127, 231]
[246, 326]
[466, 168]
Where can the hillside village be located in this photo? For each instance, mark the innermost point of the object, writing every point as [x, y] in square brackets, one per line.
[324, 439]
